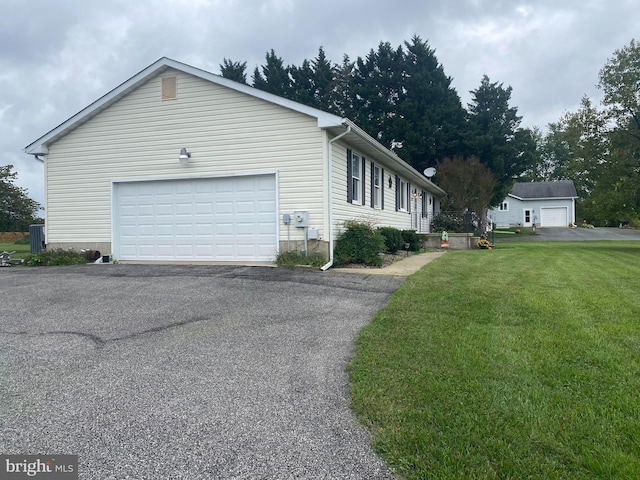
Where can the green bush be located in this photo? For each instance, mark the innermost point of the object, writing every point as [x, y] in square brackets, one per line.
[359, 243]
[55, 257]
[412, 238]
[294, 258]
[392, 239]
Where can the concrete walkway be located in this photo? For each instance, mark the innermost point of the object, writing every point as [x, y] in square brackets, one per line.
[401, 268]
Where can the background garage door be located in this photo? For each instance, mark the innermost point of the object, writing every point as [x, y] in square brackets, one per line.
[553, 217]
[215, 219]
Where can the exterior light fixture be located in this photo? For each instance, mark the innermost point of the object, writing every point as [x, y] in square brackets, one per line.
[184, 156]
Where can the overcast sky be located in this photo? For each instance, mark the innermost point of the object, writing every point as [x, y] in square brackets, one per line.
[58, 56]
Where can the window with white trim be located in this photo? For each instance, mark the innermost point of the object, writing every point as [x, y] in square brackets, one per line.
[504, 207]
[404, 196]
[376, 186]
[356, 179]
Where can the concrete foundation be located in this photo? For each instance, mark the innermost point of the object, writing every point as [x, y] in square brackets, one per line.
[457, 241]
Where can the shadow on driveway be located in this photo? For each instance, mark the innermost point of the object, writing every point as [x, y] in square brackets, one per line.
[197, 372]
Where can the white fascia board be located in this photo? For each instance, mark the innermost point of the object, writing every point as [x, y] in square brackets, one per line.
[527, 199]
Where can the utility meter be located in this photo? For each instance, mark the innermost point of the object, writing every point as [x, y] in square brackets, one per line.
[301, 219]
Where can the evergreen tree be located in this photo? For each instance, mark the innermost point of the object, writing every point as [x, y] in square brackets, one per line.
[495, 136]
[235, 71]
[403, 98]
[377, 90]
[431, 121]
[342, 89]
[323, 73]
[303, 84]
[274, 77]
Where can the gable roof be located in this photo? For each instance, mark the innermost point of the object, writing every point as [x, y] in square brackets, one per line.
[327, 121]
[542, 190]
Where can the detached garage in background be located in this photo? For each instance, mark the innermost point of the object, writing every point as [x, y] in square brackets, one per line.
[545, 204]
[179, 164]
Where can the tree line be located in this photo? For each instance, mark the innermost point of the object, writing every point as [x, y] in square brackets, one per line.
[598, 147]
[402, 97]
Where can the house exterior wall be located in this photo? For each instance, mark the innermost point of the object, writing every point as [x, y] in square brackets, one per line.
[344, 210]
[140, 136]
[514, 216]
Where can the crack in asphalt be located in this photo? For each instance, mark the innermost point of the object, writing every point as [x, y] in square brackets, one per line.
[101, 342]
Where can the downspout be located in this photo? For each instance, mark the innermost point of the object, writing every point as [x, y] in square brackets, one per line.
[330, 193]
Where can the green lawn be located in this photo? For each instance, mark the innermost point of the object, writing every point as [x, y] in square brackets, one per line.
[521, 362]
[21, 250]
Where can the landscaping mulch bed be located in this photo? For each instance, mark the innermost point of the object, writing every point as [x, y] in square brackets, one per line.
[388, 259]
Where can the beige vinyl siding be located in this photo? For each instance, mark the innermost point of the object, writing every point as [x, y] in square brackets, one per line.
[140, 137]
[343, 210]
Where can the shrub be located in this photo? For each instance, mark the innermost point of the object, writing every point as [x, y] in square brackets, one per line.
[392, 238]
[294, 258]
[359, 243]
[412, 238]
[55, 257]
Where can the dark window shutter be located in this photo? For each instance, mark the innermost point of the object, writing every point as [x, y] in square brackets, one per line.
[397, 193]
[372, 185]
[409, 197]
[364, 181]
[382, 188]
[425, 204]
[349, 177]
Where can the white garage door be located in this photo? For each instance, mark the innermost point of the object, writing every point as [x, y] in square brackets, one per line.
[214, 219]
[553, 217]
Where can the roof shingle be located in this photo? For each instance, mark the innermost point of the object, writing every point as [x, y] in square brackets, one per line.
[559, 189]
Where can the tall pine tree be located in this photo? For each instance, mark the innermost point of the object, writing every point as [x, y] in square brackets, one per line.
[495, 136]
[273, 76]
[236, 71]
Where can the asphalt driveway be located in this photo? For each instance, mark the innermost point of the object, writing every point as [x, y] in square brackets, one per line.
[195, 372]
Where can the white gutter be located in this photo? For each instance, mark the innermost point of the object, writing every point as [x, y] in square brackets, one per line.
[330, 193]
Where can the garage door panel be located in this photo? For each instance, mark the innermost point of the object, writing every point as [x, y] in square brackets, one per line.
[230, 218]
[553, 217]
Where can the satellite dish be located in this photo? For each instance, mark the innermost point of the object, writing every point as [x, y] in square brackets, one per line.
[429, 172]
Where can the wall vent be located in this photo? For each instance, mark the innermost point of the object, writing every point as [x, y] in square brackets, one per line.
[169, 88]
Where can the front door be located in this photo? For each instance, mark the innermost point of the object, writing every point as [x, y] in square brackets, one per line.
[528, 218]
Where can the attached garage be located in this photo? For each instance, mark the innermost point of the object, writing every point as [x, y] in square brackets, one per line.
[203, 219]
[553, 217]
[177, 164]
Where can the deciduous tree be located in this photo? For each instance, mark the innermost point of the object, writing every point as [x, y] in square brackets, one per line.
[17, 210]
[469, 184]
